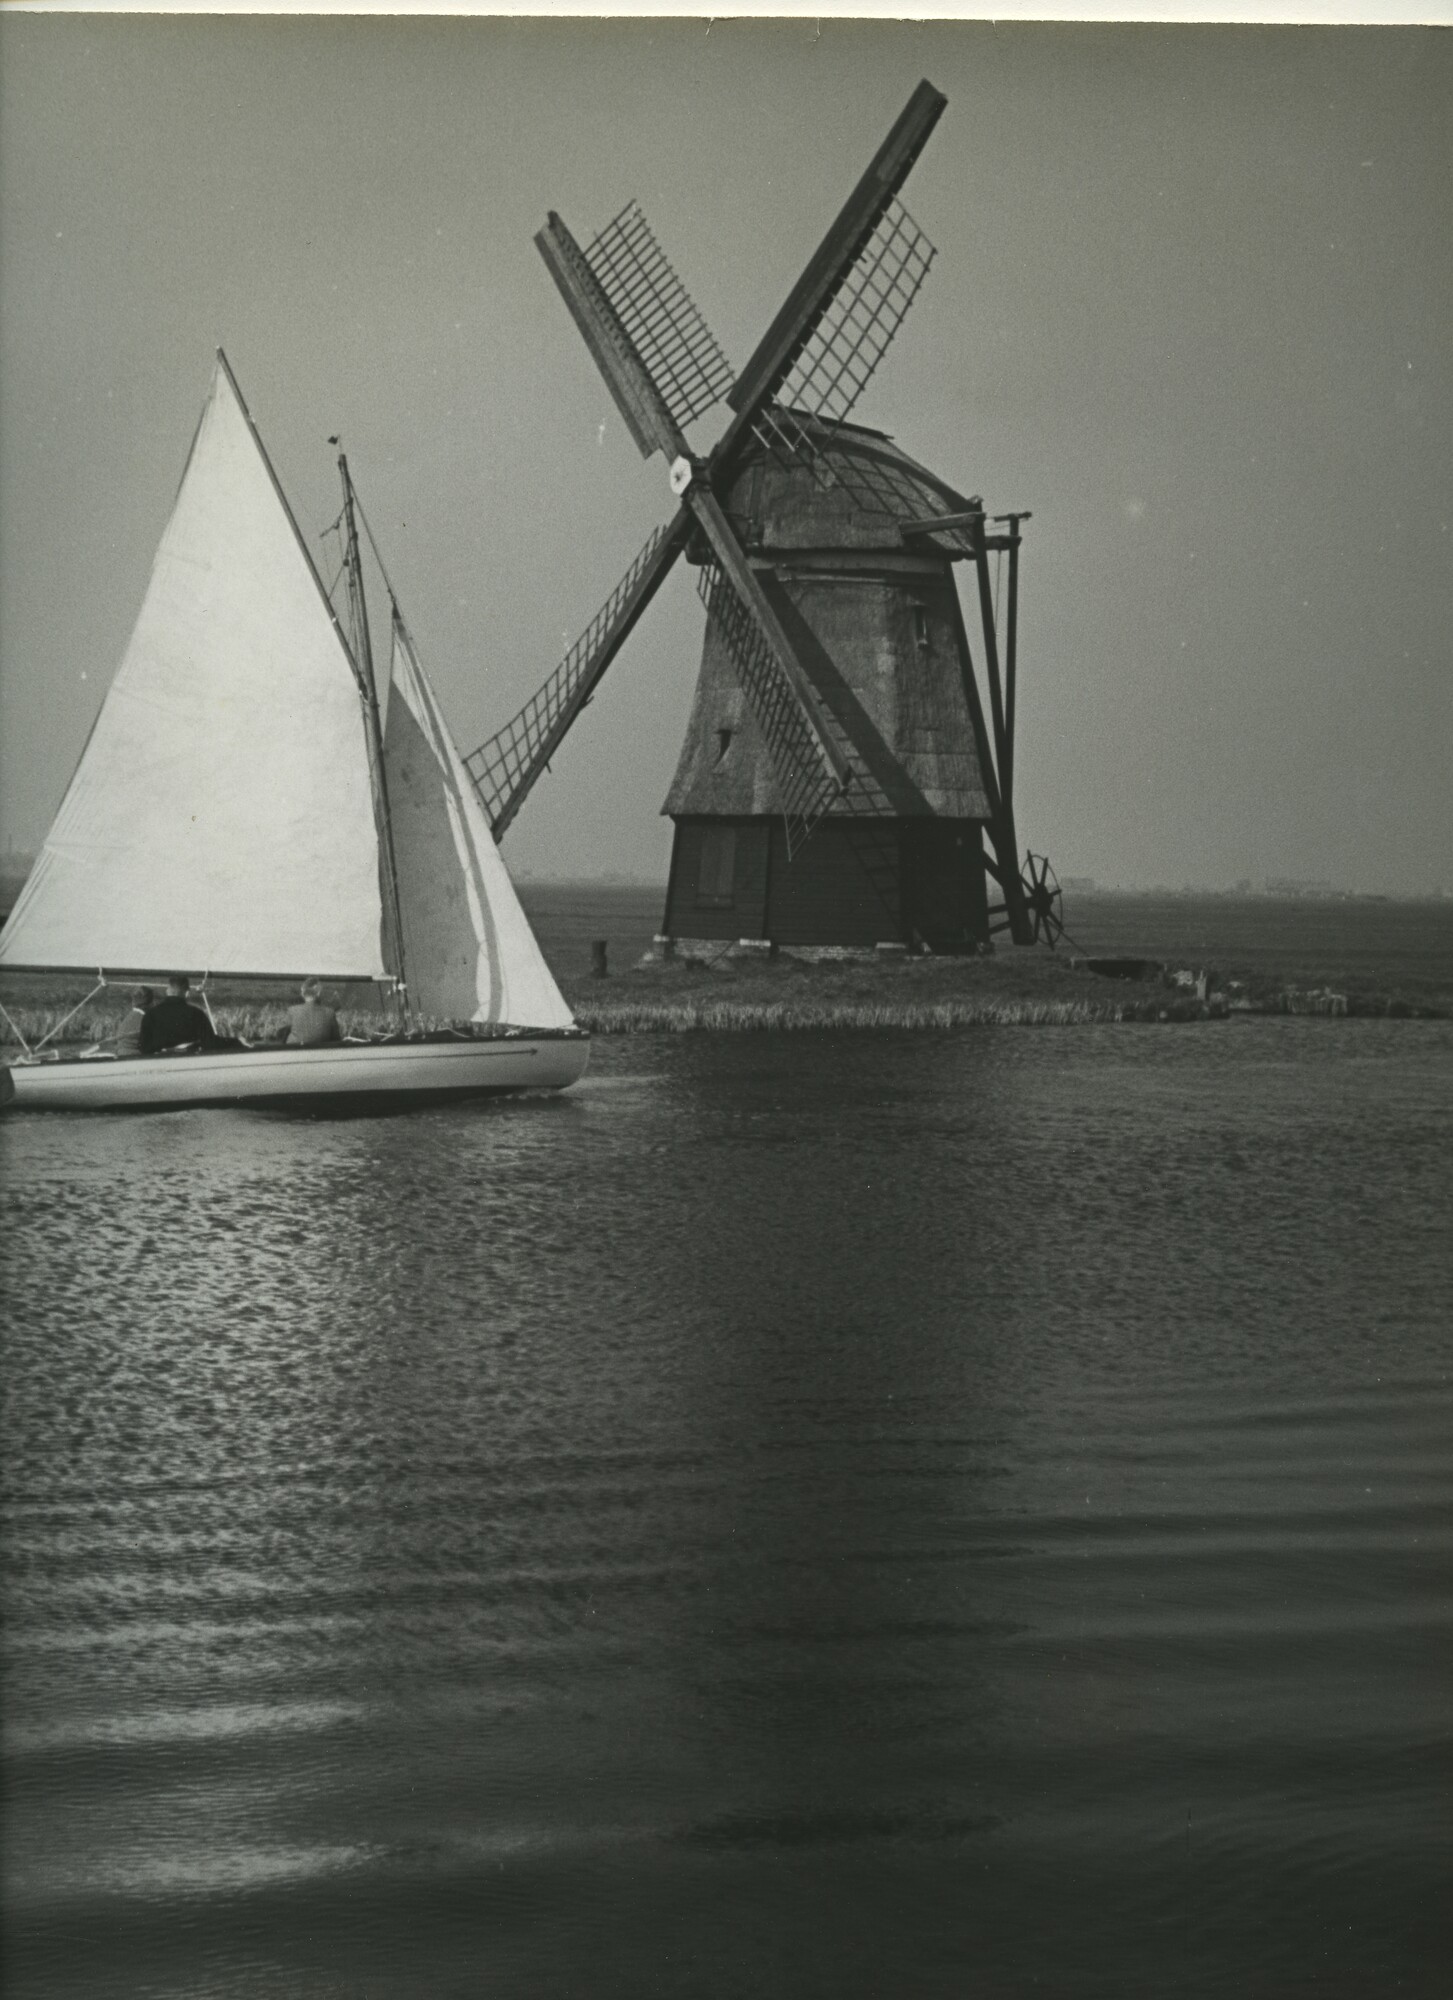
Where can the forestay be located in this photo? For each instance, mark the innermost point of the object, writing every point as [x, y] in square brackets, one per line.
[469, 952]
[221, 816]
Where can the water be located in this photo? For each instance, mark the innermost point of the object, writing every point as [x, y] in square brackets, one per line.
[810, 1515]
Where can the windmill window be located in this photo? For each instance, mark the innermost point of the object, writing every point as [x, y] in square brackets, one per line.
[920, 627]
[716, 869]
[723, 743]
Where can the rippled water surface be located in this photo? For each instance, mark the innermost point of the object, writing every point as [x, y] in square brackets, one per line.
[803, 1515]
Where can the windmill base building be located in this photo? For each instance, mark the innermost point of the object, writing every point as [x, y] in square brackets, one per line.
[874, 615]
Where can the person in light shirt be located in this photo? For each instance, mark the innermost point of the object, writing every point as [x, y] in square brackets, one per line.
[128, 1035]
[311, 1024]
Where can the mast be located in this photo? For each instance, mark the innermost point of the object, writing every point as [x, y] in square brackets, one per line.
[393, 930]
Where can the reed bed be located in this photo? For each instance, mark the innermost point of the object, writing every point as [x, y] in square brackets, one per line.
[651, 1017]
[646, 1017]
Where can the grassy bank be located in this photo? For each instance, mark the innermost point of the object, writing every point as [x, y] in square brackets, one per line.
[1024, 989]
[1010, 989]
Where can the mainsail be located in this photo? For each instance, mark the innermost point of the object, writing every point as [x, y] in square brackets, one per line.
[469, 952]
[221, 816]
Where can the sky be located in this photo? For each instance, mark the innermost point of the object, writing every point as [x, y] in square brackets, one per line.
[1192, 305]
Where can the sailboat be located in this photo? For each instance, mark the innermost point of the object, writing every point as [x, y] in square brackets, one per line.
[246, 807]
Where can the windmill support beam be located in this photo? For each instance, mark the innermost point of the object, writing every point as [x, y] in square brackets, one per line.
[1010, 541]
[1003, 760]
[934, 524]
[1011, 650]
[1003, 863]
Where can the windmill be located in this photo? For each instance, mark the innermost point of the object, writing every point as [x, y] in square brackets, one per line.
[840, 782]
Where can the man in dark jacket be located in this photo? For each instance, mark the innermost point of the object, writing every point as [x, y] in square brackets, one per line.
[175, 1023]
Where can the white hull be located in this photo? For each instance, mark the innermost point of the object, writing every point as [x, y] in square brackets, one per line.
[348, 1076]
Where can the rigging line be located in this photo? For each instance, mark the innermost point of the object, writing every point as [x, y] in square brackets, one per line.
[335, 528]
[202, 996]
[16, 1029]
[382, 565]
[55, 1030]
[399, 618]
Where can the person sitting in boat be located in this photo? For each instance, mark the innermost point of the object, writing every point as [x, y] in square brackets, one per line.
[174, 1023]
[311, 1024]
[128, 1035]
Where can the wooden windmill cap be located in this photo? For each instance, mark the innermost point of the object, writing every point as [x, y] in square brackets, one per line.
[848, 488]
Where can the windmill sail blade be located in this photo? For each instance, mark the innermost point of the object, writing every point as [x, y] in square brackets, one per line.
[661, 319]
[805, 780]
[854, 333]
[831, 266]
[506, 767]
[639, 401]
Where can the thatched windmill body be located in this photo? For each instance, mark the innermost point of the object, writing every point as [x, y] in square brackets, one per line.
[841, 781]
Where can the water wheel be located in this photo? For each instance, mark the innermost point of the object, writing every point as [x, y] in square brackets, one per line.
[1043, 899]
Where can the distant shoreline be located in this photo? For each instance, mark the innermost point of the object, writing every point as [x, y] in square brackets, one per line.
[15, 868]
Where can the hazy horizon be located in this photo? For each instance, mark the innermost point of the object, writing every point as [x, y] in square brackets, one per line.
[1192, 306]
